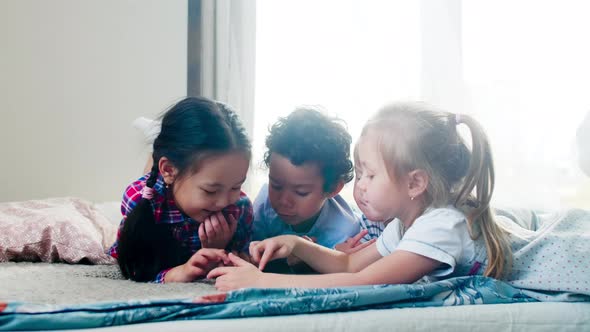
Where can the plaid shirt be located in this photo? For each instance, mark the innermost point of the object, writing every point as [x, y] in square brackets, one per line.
[185, 229]
[375, 228]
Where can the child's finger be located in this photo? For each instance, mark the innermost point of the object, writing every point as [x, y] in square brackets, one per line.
[357, 238]
[219, 271]
[361, 246]
[237, 260]
[216, 224]
[233, 223]
[203, 236]
[209, 228]
[242, 255]
[224, 224]
[198, 260]
[254, 252]
[213, 254]
[245, 257]
[266, 256]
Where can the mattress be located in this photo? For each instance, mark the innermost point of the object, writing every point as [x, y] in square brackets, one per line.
[24, 284]
[539, 316]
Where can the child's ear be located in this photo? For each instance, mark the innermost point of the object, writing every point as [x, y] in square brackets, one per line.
[417, 182]
[336, 190]
[168, 170]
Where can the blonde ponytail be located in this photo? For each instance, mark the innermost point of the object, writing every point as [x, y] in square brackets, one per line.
[480, 177]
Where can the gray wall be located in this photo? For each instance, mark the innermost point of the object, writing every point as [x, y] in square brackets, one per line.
[73, 75]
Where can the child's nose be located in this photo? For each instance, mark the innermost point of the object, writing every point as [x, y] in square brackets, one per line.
[360, 185]
[222, 202]
[285, 199]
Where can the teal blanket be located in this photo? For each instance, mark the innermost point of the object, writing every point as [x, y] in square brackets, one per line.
[261, 302]
[551, 263]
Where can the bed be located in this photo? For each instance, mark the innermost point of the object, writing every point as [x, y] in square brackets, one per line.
[54, 282]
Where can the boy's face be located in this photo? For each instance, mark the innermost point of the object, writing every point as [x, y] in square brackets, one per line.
[295, 192]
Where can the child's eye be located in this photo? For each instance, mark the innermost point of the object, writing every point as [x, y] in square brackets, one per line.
[209, 192]
[358, 173]
[302, 194]
[235, 189]
[275, 187]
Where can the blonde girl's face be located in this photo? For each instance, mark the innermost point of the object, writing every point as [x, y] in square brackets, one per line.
[378, 196]
[216, 184]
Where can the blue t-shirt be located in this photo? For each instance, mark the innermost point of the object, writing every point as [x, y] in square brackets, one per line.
[336, 222]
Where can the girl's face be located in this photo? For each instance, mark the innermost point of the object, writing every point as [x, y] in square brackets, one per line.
[216, 184]
[379, 197]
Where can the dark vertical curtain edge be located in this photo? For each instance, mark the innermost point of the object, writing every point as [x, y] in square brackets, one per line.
[194, 44]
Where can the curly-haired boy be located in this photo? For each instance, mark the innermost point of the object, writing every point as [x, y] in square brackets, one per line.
[309, 162]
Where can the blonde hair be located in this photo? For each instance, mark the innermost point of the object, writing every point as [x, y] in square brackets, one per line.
[415, 136]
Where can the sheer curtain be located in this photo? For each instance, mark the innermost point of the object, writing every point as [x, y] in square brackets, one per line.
[221, 51]
[521, 67]
[527, 77]
[344, 56]
[226, 51]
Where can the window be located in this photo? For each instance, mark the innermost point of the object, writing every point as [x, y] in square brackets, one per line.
[520, 67]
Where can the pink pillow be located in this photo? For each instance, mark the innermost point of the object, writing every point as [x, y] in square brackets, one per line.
[69, 230]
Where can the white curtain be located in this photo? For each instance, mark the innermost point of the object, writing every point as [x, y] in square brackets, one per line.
[226, 54]
[520, 67]
[222, 47]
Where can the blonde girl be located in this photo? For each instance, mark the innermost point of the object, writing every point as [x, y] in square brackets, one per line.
[418, 175]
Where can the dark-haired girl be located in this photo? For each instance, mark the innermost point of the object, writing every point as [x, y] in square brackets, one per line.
[181, 217]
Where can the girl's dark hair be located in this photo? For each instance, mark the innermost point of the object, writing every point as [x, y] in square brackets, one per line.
[307, 135]
[193, 129]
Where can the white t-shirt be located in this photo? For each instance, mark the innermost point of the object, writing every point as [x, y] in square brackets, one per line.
[440, 234]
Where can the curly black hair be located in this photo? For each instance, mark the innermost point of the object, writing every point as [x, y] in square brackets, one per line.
[308, 135]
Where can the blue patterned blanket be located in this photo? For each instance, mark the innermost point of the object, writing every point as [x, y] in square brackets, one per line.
[551, 263]
[261, 302]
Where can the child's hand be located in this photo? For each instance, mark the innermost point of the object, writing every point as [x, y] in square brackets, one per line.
[216, 231]
[262, 252]
[243, 255]
[353, 244]
[197, 266]
[292, 260]
[241, 274]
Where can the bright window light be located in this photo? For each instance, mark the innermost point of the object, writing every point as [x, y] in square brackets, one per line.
[522, 69]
